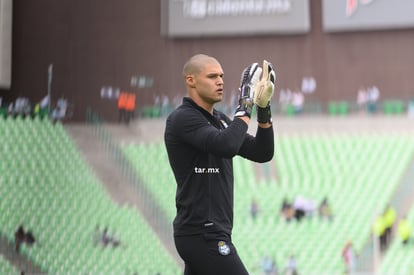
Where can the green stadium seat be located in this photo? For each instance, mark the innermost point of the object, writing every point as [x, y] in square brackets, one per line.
[43, 171]
[290, 110]
[333, 108]
[393, 107]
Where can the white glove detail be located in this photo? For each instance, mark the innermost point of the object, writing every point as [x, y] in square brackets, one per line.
[265, 88]
[249, 79]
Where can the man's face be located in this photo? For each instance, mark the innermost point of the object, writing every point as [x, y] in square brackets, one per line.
[208, 83]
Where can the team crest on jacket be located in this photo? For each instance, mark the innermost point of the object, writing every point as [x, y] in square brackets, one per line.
[223, 248]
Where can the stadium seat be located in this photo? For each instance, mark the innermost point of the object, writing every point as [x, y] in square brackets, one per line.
[52, 191]
[347, 168]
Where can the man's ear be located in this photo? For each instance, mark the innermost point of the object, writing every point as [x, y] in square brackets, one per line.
[189, 79]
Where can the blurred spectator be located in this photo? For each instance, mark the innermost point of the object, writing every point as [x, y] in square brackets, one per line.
[298, 100]
[21, 106]
[59, 113]
[410, 109]
[165, 105]
[362, 99]
[42, 107]
[390, 215]
[287, 210]
[254, 209]
[379, 232]
[349, 256]
[29, 238]
[269, 266]
[308, 85]
[130, 106]
[107, 239]
[19, 237]
[36, 109]
[299, 213]
[126, 106]
[122, 107]
[44, 103]
[291, 266]
[115, 240]
[404, 230]
[325, 211]
[303, 207]
[373, 95]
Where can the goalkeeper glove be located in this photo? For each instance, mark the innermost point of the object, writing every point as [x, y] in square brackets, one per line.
[249, 78]
[263, 93]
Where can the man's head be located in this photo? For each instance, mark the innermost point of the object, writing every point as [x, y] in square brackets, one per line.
[203, 77]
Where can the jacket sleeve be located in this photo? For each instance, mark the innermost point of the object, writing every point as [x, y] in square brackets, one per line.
[197, 131]
[259, 148]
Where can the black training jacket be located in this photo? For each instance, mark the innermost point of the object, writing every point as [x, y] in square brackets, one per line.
[200, 149]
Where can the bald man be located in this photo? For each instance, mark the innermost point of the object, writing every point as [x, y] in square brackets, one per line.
[201, 143]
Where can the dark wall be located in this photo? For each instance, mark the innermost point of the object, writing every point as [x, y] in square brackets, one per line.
[95, 43]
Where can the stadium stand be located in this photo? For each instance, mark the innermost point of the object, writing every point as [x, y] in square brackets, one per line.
[358, 172]
[49, 189]
[151, 164]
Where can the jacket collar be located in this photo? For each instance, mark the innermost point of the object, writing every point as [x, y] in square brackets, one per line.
[189, 101]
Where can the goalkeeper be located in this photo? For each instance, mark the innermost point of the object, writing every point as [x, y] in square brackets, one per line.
[201, 143]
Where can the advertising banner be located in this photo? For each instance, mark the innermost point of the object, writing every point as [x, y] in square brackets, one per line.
[355, 15]
[186, 18]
